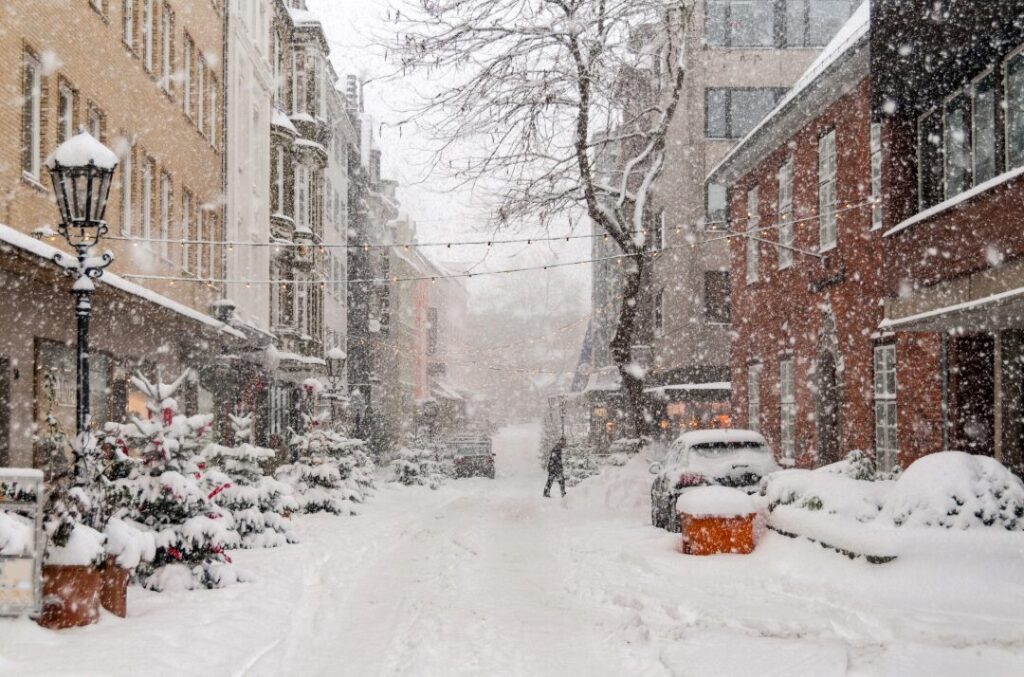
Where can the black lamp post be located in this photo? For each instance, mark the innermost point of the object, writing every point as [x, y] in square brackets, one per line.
[81, 170]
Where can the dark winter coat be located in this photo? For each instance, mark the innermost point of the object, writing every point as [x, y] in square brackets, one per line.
[555, 460]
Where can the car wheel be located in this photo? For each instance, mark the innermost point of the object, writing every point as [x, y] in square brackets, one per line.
[656, 511]
[670, 513]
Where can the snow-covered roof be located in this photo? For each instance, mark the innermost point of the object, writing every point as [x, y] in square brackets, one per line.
[279, 119]
[302, 16]
[311, 144]
[852, 34]
[14, 238]
[80, 150]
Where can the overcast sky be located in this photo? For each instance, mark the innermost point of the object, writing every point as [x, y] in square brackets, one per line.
[356, 30]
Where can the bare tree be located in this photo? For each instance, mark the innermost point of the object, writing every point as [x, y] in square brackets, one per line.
[562, 105]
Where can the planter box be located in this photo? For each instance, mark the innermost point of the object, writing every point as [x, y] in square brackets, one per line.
[114, 595]
[71, 596]
[710, 535]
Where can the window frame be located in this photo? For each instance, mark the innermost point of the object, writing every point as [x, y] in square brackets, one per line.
[66, 96]
[147, 194]
[877, 167]
[787, 407]
[965, 94]
[828, 223]
[885, 400]
[167, 48]
[32, 116]
[127, 171]
[166, 188]
[148, 25]
[785, 213]
[754, 403]
[187, 224]
[731, 134]
[989, 72]
[128, 24]
[753, 262]
[1008, 161]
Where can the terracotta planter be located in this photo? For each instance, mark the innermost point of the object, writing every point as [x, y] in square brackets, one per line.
[71, 596]
[709, 535]
[114, 595]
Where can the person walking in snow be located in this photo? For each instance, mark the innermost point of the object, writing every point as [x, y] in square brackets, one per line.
[555, 470]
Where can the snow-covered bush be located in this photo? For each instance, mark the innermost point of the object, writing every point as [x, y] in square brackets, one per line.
[832, 489]
[417, 467]
[166, 493]
[17, 535]
[236, 482]
[955, 490]
[330, 471]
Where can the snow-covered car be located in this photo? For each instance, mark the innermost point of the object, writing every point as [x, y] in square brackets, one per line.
[473, 456]
[700, 458]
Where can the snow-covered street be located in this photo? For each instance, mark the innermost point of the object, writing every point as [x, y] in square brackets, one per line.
[488, 578]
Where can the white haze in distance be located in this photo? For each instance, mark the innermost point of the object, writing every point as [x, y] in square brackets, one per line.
[356, 30]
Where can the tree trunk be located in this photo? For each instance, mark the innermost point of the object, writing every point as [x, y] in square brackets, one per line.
[625, 334]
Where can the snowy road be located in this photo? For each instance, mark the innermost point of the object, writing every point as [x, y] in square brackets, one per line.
[487, 578]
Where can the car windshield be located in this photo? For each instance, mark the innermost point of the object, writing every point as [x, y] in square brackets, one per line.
[718, 449]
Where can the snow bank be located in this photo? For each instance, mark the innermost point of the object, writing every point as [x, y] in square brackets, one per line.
[17, 534]
[617, 488]
[85, 547]
[715, 501]
[956, 490]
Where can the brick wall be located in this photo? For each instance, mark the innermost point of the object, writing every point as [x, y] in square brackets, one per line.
[786, 313]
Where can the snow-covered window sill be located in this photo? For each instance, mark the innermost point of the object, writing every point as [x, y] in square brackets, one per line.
[952, 202]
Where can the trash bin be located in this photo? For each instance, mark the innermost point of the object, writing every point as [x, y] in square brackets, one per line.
[717, 520]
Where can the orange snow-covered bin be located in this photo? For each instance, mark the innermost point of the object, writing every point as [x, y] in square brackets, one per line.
[717, 520]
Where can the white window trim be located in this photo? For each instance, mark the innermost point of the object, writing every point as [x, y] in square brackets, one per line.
[785, 215]
[753, 245]
[1006, 109]
[827, 219]
[166, 47]
[754, 397]
[186, 230]
[186, 83]
[148, 170]
[128, 23]
[166, 194]
[32, 63]
[787, 408]
[67, 93]
[147, 35]
[875, 145]
[889, 399]
[127, 208]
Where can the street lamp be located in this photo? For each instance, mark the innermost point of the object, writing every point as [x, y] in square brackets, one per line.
[81, 170]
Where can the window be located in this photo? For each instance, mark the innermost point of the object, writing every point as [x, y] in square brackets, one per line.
[775, 23]
[301, 305]
[753, 244]
[716, 202]
[126, 190]
[787, 413]
[165, 214]
[201, 95]
[785, 177]
[659, 313]
[754, 397]
[731, 113]
[301, 196]
[204, 246]
[657, 241]
[740, 23]
[148, 172]
[876, 175]
[886, 447]
[166, 47]
[299, 87]
[212, 111]
[813, 23]
[186, 85]
[276, 63]
[147, 35]
[186, 231]
[128, 23]
[983, 132]
[94, 122]
[929, 159]
[717, 295]
[65, 112]
[827, 191]
[956, 144]
[1015, 111]
[31, 116]
[279, 181]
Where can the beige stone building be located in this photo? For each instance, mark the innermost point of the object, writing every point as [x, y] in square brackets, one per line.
[741, 57]
[143, 76]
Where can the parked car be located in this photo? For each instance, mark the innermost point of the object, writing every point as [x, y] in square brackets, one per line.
[473, 456]
[699, 458]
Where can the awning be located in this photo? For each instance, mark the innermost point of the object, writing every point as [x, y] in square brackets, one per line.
[995, 312]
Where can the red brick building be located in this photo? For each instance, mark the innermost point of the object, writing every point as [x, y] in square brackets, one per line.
[953, 111]
[807, 268]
